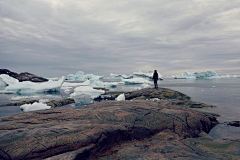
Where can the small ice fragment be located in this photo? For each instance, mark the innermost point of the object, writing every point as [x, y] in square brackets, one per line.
[33, 107]
[121, 97]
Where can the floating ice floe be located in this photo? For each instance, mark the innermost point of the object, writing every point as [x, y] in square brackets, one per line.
[7, 80]
[121, 97]
[145, 85]
[84, 95]
[80, 76]
[147, 75]
[86, 90]
[82, 99]
[136, 81]
[35, 106]
[99, 84]
[230, 76]
[120, 76]
[198, 75]
[30, 87]
[69, 85]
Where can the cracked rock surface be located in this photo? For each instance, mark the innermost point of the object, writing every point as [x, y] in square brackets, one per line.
[92, 131]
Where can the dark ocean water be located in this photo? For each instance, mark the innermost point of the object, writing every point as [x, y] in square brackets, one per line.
[223, 93]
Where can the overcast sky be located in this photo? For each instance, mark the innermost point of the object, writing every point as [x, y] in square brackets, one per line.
[59, 37]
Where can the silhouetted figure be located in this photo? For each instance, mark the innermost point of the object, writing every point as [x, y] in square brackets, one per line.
[155, 79]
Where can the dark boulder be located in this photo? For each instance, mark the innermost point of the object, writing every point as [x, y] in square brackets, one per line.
[25, 76]
[234, 123]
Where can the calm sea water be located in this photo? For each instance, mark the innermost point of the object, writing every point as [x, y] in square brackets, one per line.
[223, 93]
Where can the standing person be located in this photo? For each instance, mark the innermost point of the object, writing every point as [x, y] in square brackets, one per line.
[155, 79]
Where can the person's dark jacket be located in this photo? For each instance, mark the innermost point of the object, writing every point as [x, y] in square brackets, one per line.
[155, 76]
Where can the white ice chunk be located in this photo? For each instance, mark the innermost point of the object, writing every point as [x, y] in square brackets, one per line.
[33, 107]
[99, 84]
[79, 76]
[43, 100]
[87, 90]
[28, 87]
[69, 85]
[145, 85]
[198, 75]
[96, 83]
[70, 77]
[120, 76]
[7, 80]
[136, 81]
[110, 84]
[121, 97]
[83, 99]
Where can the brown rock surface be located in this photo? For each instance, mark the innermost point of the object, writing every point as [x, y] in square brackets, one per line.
[88, 132]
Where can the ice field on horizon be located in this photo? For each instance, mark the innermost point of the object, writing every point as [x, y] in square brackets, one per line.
[80, 76]
[197, 75]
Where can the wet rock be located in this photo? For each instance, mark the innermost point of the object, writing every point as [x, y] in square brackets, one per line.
[88, 132]
[61, 102]
[25, 76]
[19, 103]
[168, 145]
[234, 123]
[53, 103]
[164, 94]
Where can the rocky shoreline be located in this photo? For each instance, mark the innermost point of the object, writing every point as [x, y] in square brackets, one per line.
[150, 124]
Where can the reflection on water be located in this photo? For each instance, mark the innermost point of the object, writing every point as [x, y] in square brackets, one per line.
[223, 93]
[223, 131]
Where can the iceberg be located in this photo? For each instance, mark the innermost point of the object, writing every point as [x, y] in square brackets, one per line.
[198, 75]
[30, 87]
[84, 95]
[99, 84]
[6, 80]
[82, 99]
[79, 76]
[35, 106]
[147, 75]
[69, 85]
[86, 90]
[120, 76]
[136, 81]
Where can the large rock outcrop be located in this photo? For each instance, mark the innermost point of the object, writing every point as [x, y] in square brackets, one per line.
[25, 76]
[88, 132]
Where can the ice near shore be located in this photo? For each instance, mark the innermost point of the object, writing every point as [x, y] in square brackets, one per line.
[31, 87]
[84, 92]
[84, 95]
[6, 80]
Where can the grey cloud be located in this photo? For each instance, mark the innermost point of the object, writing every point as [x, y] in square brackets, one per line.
[119, 37]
